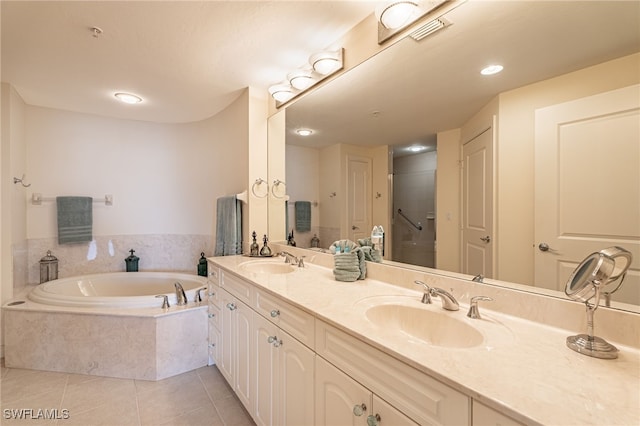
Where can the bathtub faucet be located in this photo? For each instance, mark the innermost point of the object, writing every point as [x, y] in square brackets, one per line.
[180, 295]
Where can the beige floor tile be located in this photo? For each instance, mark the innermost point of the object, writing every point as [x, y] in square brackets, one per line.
[171, 401]
[26, 410]
[124, 413]
[232, 412]
[19, 384]
[80, 397]
[215, 384]
[205, 416]
[174, 382]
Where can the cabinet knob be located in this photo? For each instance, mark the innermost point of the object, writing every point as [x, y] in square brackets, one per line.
[212, 345]
[373, 420]
[211, 294]
[211, 315]
[231, 306]
[359, 410]
[275, 313]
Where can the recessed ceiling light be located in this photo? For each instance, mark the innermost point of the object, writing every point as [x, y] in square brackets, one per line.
[128, 98]
[416, 148]
[492, 69]
[304, 132]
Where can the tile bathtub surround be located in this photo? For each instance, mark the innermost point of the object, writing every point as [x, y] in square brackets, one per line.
[162, 252]
[197, 398]
[120, 345]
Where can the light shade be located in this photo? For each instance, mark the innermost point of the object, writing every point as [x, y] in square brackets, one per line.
[281, 92]
[397, 13]
[301, 79]
[128, 98]
[326, 62]
[304, 132]
[492, 69]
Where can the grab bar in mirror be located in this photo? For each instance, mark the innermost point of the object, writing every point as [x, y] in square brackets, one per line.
[418, 226]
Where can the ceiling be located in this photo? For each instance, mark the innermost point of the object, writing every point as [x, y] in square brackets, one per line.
[187, 59]
[414, 89]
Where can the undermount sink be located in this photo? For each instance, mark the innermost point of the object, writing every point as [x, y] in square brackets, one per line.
[432, 327]
[266, 267]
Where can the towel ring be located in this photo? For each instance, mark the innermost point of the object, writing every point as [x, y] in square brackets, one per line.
[277, 183]
[259, 182]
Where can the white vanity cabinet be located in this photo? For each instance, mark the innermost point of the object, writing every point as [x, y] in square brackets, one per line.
[340, 400]
[235, 348]
[213, 300]
[485, 416]
[284, 377]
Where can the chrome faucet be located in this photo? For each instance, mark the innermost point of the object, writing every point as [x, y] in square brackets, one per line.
[448, 301]
[426, 297]
[289, 258]
[478, 278]
[180, 295]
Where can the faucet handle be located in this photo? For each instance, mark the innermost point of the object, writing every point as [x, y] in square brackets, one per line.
[426, 297]
[301, 261]
[165, 301]
[198, 296]
[474, 312]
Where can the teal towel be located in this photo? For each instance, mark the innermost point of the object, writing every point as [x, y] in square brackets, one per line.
[75, 219]
[303, 216]
[228, 226]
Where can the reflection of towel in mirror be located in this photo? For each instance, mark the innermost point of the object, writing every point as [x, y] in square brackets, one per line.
[369, 252]
[303, 216]
[350, 265]
[75, 219]
[228, 226]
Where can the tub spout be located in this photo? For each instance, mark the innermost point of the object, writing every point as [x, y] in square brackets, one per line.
[180, 295]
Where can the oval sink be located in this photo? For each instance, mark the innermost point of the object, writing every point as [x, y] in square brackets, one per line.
[266, 267]
[432, 327]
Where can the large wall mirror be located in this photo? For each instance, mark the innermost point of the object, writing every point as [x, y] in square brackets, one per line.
[401, 141]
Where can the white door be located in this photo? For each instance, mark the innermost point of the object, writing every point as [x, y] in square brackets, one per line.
[588, 185]
[477, 205]
[358, 197]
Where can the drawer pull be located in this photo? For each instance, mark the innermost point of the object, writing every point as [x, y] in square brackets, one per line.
[211, 315]
[274, 341]
[275, 313]
[373, 420]
[211, 294]
[231, 306]
[212, 345]
[359, 410]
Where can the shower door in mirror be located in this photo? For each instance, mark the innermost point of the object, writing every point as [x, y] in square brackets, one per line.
[587, 181]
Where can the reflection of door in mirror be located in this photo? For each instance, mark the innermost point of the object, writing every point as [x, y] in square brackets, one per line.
[358, 197]
[588, 185]
[477, 205]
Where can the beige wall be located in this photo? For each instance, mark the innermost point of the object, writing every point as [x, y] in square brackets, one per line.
[515, 155]
[448, 201]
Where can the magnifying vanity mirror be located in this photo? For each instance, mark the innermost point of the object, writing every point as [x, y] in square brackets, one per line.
[402, 130]
[586, 284]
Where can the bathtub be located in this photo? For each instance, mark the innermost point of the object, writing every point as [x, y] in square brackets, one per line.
[109, 325]
[117, 289]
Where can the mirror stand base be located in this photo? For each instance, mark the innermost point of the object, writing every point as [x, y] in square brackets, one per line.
[593, 346]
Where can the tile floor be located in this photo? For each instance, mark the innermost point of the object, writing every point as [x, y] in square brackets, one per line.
[199, 397]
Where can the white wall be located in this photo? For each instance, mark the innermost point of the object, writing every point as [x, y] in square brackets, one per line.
[303, 184]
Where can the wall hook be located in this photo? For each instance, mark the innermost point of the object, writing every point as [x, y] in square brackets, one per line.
[21, 181]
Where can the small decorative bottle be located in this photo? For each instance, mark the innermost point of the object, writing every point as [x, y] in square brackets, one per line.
[315, 241]
[202, 265]
[290, 240]
[255, 248]
[265, 250]
[131, 262]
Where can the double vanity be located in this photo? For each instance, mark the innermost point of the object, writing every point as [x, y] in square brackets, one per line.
[299, 347]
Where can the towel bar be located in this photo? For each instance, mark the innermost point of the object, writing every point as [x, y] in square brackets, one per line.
[37, 199]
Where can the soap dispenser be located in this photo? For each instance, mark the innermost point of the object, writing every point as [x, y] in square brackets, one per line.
[265, 250]
[132, 262]
[290, 240]
[315, 241]
[255, 248]
[202, 265]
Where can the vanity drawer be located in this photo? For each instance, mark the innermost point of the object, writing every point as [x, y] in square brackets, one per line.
[236, 286]
[417, 395]
[213, 274]
[294, 321]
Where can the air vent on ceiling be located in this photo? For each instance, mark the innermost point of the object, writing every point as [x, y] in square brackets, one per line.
[430, 28]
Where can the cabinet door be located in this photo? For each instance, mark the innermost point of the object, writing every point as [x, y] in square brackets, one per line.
[266, 375]
[339, 399]
[226, 343]
[386, 415]
[244, 354]
[295, 400]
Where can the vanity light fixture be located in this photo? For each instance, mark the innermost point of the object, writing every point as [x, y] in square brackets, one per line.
[492, 69]
[396, 15]
[128, 98]
[323, 65]
[304, 132]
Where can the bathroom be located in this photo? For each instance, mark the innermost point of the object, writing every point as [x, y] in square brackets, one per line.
[165, 213]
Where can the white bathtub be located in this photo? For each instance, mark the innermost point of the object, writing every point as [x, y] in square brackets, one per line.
[117, 289]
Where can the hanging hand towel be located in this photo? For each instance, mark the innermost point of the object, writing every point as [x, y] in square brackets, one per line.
[228, 226]
[75, 219]
[303, 216]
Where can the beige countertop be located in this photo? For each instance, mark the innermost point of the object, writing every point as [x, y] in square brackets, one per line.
[522, 368]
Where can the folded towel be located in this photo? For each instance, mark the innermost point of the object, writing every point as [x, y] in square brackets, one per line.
[303, 216]
[75, 219]
[350, 265]
[228, 226]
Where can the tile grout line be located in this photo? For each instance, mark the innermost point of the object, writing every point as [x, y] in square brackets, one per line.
[215, 407]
